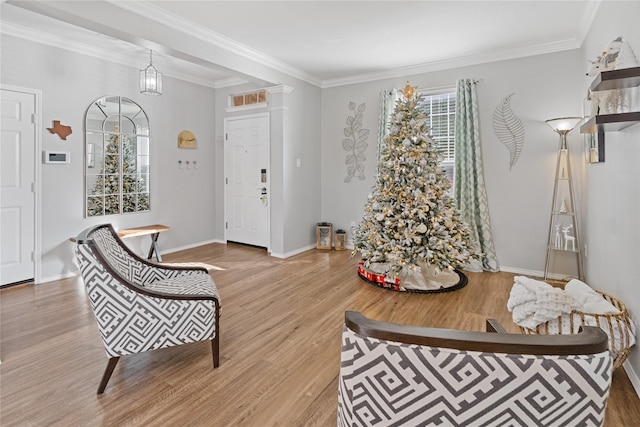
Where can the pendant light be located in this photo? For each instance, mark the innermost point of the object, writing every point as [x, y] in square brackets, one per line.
[150, 79]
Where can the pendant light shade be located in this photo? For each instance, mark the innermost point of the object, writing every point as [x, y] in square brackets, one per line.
[150, 79]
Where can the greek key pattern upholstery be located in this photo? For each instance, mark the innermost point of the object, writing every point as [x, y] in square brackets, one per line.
[131, 321]
[129, 267]
[187, 284]
[387, 383]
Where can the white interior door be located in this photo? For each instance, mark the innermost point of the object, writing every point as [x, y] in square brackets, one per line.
[17, 176]
[247, 179]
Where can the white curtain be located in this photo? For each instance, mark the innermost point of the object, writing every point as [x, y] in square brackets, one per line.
[469, 189]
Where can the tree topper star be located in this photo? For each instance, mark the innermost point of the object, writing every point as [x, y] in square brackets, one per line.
[409, 90]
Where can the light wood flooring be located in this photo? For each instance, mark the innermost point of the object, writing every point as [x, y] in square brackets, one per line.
[280, 346]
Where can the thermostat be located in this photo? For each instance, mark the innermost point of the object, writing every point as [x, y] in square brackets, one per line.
[57, 157]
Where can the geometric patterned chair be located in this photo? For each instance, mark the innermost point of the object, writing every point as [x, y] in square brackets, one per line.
[141, 306]
[398, 375]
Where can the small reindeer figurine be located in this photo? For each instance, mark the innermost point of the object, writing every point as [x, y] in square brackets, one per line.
[567, 238]
[558, 239]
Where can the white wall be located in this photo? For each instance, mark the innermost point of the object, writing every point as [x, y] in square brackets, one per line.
[182, 199]
[302, 196]
[612, 189]
[545, 86]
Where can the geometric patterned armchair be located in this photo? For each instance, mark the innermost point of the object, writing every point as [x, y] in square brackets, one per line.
[397, 375]
[141, 306]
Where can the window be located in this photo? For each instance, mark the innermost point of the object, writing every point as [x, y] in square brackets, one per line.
[441, 111]
[255, 98]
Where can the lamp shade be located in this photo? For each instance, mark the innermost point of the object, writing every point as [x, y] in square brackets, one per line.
[150, 79]
[563, 124]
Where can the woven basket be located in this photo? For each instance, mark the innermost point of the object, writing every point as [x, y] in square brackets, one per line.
[617, 326]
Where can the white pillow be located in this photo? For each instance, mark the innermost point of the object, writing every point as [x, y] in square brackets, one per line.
[591, 301]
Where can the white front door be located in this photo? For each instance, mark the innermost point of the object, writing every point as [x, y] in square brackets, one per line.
[247, 179]
[17, 176]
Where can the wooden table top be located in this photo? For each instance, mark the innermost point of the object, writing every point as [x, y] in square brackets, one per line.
[142, 231]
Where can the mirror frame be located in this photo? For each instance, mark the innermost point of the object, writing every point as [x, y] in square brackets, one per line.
[117, 157]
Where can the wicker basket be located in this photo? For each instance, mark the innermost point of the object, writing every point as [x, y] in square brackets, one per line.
[618, 327]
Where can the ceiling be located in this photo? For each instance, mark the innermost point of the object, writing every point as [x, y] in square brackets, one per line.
[326, 43]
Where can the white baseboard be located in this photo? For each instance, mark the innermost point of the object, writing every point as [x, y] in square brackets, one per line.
[61, 276]
[522, 271]
[191, 246]
[292, 253]
[534, 273]
[68, 274]
[633, 377]
[181, 248]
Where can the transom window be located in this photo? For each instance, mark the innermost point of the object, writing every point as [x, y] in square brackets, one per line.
[248, 98]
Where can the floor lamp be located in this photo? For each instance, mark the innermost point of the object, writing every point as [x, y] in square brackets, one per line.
[559, 210]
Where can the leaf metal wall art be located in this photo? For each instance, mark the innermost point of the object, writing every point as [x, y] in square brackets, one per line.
[355, 142]
[509, 130]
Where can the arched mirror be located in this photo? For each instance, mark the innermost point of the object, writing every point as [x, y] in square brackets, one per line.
[117, 157]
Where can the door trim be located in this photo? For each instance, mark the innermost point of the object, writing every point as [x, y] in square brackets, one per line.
[224, 178]
[37, 122]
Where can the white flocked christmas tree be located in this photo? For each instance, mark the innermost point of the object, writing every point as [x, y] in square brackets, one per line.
[411, 230]
[106, 196]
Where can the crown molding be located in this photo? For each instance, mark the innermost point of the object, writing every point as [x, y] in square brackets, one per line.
[576, 42]
[64, 43]
[591, 10]
[448, 64]
[228, 82]
[279, 89]
[177, 23]
[49, 39]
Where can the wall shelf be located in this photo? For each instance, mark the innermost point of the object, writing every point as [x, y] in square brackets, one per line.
[609, 80]
[616, 79]
[610, 122]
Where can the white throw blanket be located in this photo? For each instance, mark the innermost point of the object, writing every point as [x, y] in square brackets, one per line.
[590, 300]
[593, 302]
[533, 302]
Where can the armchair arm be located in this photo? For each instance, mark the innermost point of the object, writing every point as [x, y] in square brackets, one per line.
[591, 340]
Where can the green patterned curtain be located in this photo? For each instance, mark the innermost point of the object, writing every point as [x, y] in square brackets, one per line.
[388, 98]
[469, 188]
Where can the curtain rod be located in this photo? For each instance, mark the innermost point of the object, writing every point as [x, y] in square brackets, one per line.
[436, 88]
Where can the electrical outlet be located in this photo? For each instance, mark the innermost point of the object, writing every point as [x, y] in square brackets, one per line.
[585, 251]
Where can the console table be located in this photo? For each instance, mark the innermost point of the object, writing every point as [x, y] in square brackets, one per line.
[147, 230]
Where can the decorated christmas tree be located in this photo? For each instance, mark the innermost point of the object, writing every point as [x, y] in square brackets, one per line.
[106, 193]
[412, 234]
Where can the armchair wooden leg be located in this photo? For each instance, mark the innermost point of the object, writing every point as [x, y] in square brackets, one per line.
[215, 349]
[107, 373]
[215, 342]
